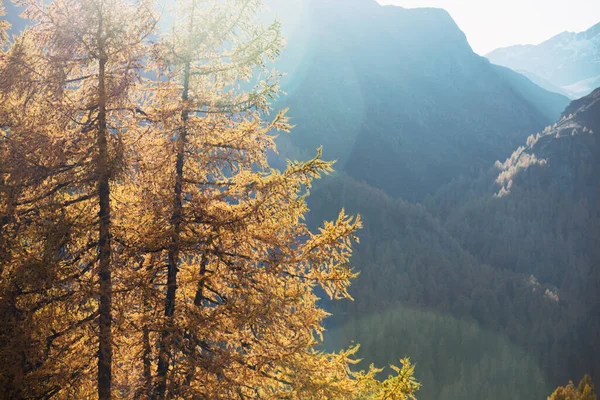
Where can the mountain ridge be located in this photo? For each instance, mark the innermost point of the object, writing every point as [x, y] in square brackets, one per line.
[569, 61]
[377, 88]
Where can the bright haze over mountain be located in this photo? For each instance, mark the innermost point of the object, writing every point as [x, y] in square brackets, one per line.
[489, 24]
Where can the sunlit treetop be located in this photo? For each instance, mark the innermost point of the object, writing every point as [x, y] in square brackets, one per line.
[4, 25]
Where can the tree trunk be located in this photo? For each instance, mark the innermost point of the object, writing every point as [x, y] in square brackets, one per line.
[173, 256]
[147, 358]
[104, 244]
[164, 352]
[198, 298]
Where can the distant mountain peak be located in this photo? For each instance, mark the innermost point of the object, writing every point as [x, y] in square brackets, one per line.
[595, 29]
[568, 63]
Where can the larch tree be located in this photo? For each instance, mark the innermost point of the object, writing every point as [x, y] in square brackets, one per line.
[214, 45]
[86, 54]
[226, 249]
[583, 391]
[147, 248]
[44, 301]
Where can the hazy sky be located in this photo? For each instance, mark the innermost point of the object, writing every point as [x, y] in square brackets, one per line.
[490, 24]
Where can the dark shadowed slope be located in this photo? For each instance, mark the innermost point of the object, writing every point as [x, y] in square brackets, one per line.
[399, 97]
[519, 260]
[420, 294]
[541, 218]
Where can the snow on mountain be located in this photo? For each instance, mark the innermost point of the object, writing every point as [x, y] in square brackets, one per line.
[568, 63]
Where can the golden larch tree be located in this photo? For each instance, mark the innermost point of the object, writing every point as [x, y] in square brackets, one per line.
[87, 55]
[226, 245]
[148, 249]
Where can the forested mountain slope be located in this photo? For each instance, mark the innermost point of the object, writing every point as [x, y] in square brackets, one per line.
[457, 359]
[508, 259]
[400, 99]
[543, 221]
[420, 294]
[546, 194]
[398, 96]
